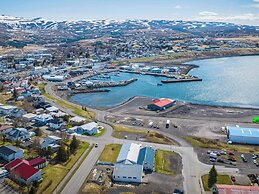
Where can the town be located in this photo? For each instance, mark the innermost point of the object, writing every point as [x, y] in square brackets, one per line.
[52, 140]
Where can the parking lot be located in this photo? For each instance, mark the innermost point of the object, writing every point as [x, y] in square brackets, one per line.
[247, 163]
[5, 188]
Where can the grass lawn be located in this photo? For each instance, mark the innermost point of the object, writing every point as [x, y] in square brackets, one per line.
[151, 136]
[162, 164]
[53, 174]
[221, 179]
[110, 153]
[215, 144]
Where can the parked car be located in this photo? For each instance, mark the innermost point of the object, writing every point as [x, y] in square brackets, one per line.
[231, 153]
[96, 145]
[244, 160]
[223, 153]
[233, 159]
[209, 151]
[255, 156]
[213, 159]
[178, 191]
[220, 160]
[242, 156]
[254, 161]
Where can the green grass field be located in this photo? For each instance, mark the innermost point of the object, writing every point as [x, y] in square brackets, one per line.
[53, 174]
[110, 153]
[162, 164]
[221, 179]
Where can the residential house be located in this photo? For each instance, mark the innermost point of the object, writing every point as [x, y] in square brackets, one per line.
[89, 128]
[43, 119]
[56, 124]
[20, 171]
[12, 111]
[77, 120]
[51, 141]
[38, 163]
[9, 153]
[17, 134]
[52, 109]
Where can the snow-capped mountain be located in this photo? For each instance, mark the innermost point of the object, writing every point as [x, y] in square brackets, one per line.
[40, 23]
[39, 29]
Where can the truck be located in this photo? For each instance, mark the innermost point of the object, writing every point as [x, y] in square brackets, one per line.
[167, 124]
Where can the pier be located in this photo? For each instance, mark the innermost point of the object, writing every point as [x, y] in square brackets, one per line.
[181, 80]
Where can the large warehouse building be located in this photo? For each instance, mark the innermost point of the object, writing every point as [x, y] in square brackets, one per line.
[132, 161]
[243, 135]
[160, 104]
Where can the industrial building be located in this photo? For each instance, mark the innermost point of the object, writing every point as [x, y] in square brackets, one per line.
[132, 161]
[243, 135]
[161, 104]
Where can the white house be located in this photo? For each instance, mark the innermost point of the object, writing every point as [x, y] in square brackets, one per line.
[15, 134]
[29, 116]
[43, 119]
[89, 128]
[51, 141]
[77, 120]
[9, 153]
[52, 109]
[11, 111]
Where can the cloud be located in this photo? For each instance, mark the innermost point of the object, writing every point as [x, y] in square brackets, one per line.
[243, 18]
[255, 5]
[208, 13]
[257, 1]
[178, 7]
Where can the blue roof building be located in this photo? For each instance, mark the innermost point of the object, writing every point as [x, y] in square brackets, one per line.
[243, 135]
[147, 158]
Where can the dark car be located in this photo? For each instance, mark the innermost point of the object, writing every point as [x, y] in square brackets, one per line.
[178, 191]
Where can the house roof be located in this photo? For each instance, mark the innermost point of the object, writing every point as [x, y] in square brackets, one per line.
[244, 132]
[37, 161]
[17, 132]
[8, 107]
[89, 126]
[24, 171]
[8, 150]
[77, 119]
[129, 153]
[162, 102]
[13, 163]
[146, 154]
[236, 189]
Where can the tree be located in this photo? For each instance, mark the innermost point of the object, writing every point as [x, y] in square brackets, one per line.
[36, 144]
[38, 131]
[74, 145]
[32, 190]
[62, 155]
[15, 94]
[212, 176]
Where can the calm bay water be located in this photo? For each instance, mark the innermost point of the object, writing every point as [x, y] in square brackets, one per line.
[232, 81]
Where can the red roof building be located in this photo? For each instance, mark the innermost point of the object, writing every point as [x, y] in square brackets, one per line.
[38, 162]
[161, 104]
[236, 189]
[22, 172]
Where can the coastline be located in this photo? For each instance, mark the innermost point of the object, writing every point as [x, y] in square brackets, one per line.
[187, 70]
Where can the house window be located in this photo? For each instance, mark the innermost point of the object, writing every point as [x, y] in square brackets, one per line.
[134, 177]
[129, 177]
[124, 177]
[118, 177]
[113, 176]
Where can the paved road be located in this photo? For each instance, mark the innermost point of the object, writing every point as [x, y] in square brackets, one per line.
[75, 183]
[192, 167]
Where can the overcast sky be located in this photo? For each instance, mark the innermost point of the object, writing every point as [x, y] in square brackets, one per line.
[237, 11]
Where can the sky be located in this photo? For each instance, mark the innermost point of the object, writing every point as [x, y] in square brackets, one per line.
[236, 11]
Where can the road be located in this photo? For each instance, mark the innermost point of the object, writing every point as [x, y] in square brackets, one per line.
[192, 167]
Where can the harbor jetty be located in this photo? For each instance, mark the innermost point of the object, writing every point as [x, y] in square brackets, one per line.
[181, 80]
